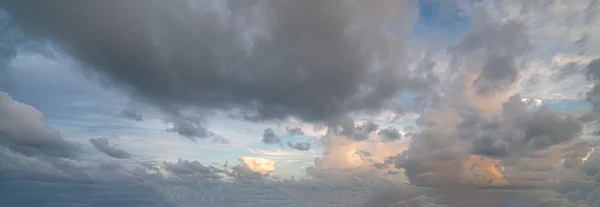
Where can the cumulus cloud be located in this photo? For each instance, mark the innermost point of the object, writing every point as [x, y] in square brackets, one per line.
[255, 55]
[519, 131]
[269, 137]
[22, 129]
[302, 146]
[190, 127]
[390, 133]
[257, 164]
[478, 131]
[102, 144]
[294, 131]
[347, 128]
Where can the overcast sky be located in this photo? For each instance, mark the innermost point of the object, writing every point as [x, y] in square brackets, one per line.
[383, 103]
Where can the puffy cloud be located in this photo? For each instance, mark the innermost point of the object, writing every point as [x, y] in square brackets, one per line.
[302, 146]
[102, 144]
[519, 131]
[269, 137]
[255, 55]
[189, 127]
[132, 114]
[346, 127]
[294, 130]
[477, 132]
[191, 169]
[257, 164]
[390, 133]
[22, 129]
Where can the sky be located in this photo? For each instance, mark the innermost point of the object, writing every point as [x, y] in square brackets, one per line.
[341, 103]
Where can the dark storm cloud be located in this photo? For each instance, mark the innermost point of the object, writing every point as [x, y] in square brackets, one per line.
[132, 114]
[519, 131]
[302, 146]
[269, 137]
[102, 144]
[22, 129]
[310, 59]
[294, 131]
[390, 133]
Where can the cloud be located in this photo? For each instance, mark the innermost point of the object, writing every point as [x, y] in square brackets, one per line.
[189, 127]
[302, 146]
[180, 183]
[593, 74]
[219, 139]
[183, 168]
[475, 144]
[73, 183]
[347, 128]
[11, 40]
[132, 115]
[22, 129]
[588, 117]
[519, 131]
[257, 164]
[448, 150]
[102, 144]
[253, 56]
[294, 131]
[390, 133]
[269, 137]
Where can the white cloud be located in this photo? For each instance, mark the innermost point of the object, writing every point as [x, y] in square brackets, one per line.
[259, 165]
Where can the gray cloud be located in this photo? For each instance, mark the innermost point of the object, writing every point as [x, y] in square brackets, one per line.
[588, 117]
[519, 131]
[294, 131]
[256, 56]
[499, 72]
[9, 40]
[302, 146]
[269, 137]
[132, 114]
[390, 133]
[346, 127]
[190, 127]
[593, 74]
[182, 183]
[22, 129]
[220, 140]
[186, 168]
[501, 45]
[102, 144]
